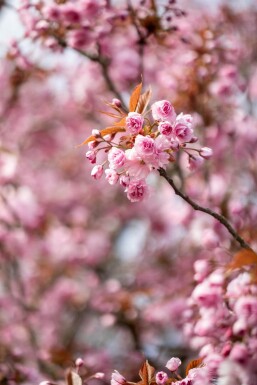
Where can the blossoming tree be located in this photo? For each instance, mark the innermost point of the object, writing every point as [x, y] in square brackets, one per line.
[157, 98]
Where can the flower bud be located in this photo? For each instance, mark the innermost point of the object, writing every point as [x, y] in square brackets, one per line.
[96, 133]
[117, 378]
[97, 171]
[116, 102]
[91, 156]
[206, 152]
[79, 362]
[173, 364]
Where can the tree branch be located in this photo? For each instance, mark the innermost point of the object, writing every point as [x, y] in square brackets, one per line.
[104, 64]
[197, 207]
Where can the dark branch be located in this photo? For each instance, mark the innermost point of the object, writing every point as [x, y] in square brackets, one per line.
[197, 207]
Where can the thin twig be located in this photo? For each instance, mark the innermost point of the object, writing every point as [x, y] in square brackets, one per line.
[104, 64]
[196, 206]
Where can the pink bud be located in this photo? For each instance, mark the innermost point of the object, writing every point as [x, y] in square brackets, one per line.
[96, 133]
[97, 171]
[117, 378]
[206, 152]
[91, 156]
[173, 364]
[79, 362]
[116, 102]
[124, 180]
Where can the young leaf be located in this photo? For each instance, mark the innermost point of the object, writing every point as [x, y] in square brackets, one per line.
[144, 101]
[243, 257]
[146, 373]
[112, 130]
[194, 364]
[105, 131]
[72, 378]
[135, 98]
[111, 114]
[121, 122]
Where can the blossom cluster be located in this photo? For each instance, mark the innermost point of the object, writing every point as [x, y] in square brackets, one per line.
[194, 372]
[148, 144]
[223, 318]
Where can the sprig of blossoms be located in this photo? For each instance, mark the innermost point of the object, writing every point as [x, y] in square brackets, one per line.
[195, 370]
[139, 144]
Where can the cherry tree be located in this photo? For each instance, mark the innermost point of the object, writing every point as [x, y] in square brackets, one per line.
[155, 99]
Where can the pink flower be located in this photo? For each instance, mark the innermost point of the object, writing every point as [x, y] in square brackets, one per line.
[111, 176]
[206, 152]
[163, 110]
[137, 190]
[116, 158]
[173, 364]
[117, 378]
[144, 146]
[183, 128]
[97, 171]
[165, 128]
[91, 156]
[134, 165]
[161, 378]
[134, 122]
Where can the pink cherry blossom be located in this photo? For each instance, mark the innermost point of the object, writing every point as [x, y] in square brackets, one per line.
[111, 176]
[134, 123]
[116, 158]
[161, 378]
[163, 110]
[145, 147]
[165, 128]
[183, 128]
[137, 190]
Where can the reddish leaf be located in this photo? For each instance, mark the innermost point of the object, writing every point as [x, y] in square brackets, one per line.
[73, 378]
[243, 257]
[105, 131]
[194, 364]
[143, 101]
[111, 114]
[135, 98]
[112, 130]
[121, 122]
[146, 373]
